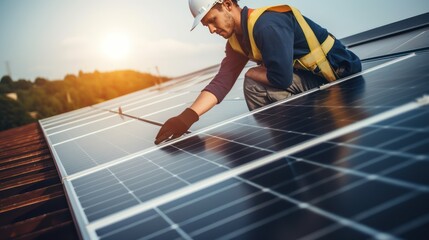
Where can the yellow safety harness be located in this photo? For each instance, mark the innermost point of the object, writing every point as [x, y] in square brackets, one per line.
[313, 60]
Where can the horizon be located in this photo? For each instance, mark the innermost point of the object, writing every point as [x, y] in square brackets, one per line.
[52, 39]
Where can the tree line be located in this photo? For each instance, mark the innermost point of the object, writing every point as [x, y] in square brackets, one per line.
[45, 98]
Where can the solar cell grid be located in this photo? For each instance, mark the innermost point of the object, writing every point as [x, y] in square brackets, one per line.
[92, 126]
[227, 110]
[70, 133]
[328, 184]
[219, 147]
[160, 172]
[95, 149]
[113, 128]
[243, 137]
[409, 41]
[65, 119]
[78, 122]
[131, 98]
[179, 99]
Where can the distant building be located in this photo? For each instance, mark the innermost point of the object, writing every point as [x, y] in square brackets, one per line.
[34, 114]
[13, 96]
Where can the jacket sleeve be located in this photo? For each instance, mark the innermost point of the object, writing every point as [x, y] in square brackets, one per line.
[276, 46]
[230, 68]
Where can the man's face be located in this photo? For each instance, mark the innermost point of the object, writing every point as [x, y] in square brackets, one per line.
[219, 20]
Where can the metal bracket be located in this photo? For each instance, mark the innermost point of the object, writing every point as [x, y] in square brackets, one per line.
[423, 100]
[324, 86]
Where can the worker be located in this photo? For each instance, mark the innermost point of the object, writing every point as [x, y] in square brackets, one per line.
[293, 53]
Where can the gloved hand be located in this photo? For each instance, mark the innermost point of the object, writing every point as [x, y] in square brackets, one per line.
[177, 126]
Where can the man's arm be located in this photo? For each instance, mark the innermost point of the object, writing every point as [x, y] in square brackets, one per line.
[212, 94]
[177, 126]
[258, 74]
[204, 102]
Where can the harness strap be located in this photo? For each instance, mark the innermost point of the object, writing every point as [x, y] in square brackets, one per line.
[235, 44]
[308, 62]
[317, 55]
[313, 60]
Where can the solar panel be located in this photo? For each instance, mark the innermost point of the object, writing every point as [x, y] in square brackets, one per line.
[410, 41]
[402, 36]
[324, 185]
[87, 132]
[334, 162]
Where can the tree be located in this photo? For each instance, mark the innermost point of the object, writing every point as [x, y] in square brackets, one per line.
[6, 80]
[40, 82]
[12, 114]
[6, 84]
[50, 98]
[22, 84]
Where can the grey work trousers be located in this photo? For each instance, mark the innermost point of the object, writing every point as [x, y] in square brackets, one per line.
[258, 94]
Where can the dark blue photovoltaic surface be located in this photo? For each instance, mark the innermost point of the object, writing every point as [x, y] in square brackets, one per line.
[312, 115]
[157, 173]
[101, 147]
[327, 185]
[409, 41]
[365, 179]
[250, 138]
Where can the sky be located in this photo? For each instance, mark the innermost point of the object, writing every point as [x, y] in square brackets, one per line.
[53, 38]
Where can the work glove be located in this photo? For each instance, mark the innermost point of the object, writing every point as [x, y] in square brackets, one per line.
[177, 126]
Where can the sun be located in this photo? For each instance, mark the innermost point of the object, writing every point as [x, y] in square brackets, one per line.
[116, 46]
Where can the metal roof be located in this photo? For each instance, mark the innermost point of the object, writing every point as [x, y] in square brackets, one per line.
[32, 201]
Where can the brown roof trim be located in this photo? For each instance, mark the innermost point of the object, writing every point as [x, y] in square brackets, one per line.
[32, 200]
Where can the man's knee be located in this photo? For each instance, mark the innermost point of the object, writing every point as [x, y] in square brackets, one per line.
[258, 94]
[303, 81]
[254, 93]
[251, 86]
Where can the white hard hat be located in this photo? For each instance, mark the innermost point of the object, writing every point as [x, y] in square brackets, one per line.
[199, 8]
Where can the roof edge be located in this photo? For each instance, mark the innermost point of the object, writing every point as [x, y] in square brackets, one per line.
[388, 30]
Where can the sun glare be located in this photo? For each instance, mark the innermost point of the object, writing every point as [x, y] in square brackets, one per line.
[116, 46]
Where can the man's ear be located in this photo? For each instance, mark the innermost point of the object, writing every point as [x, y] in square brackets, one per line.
[228, 4]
